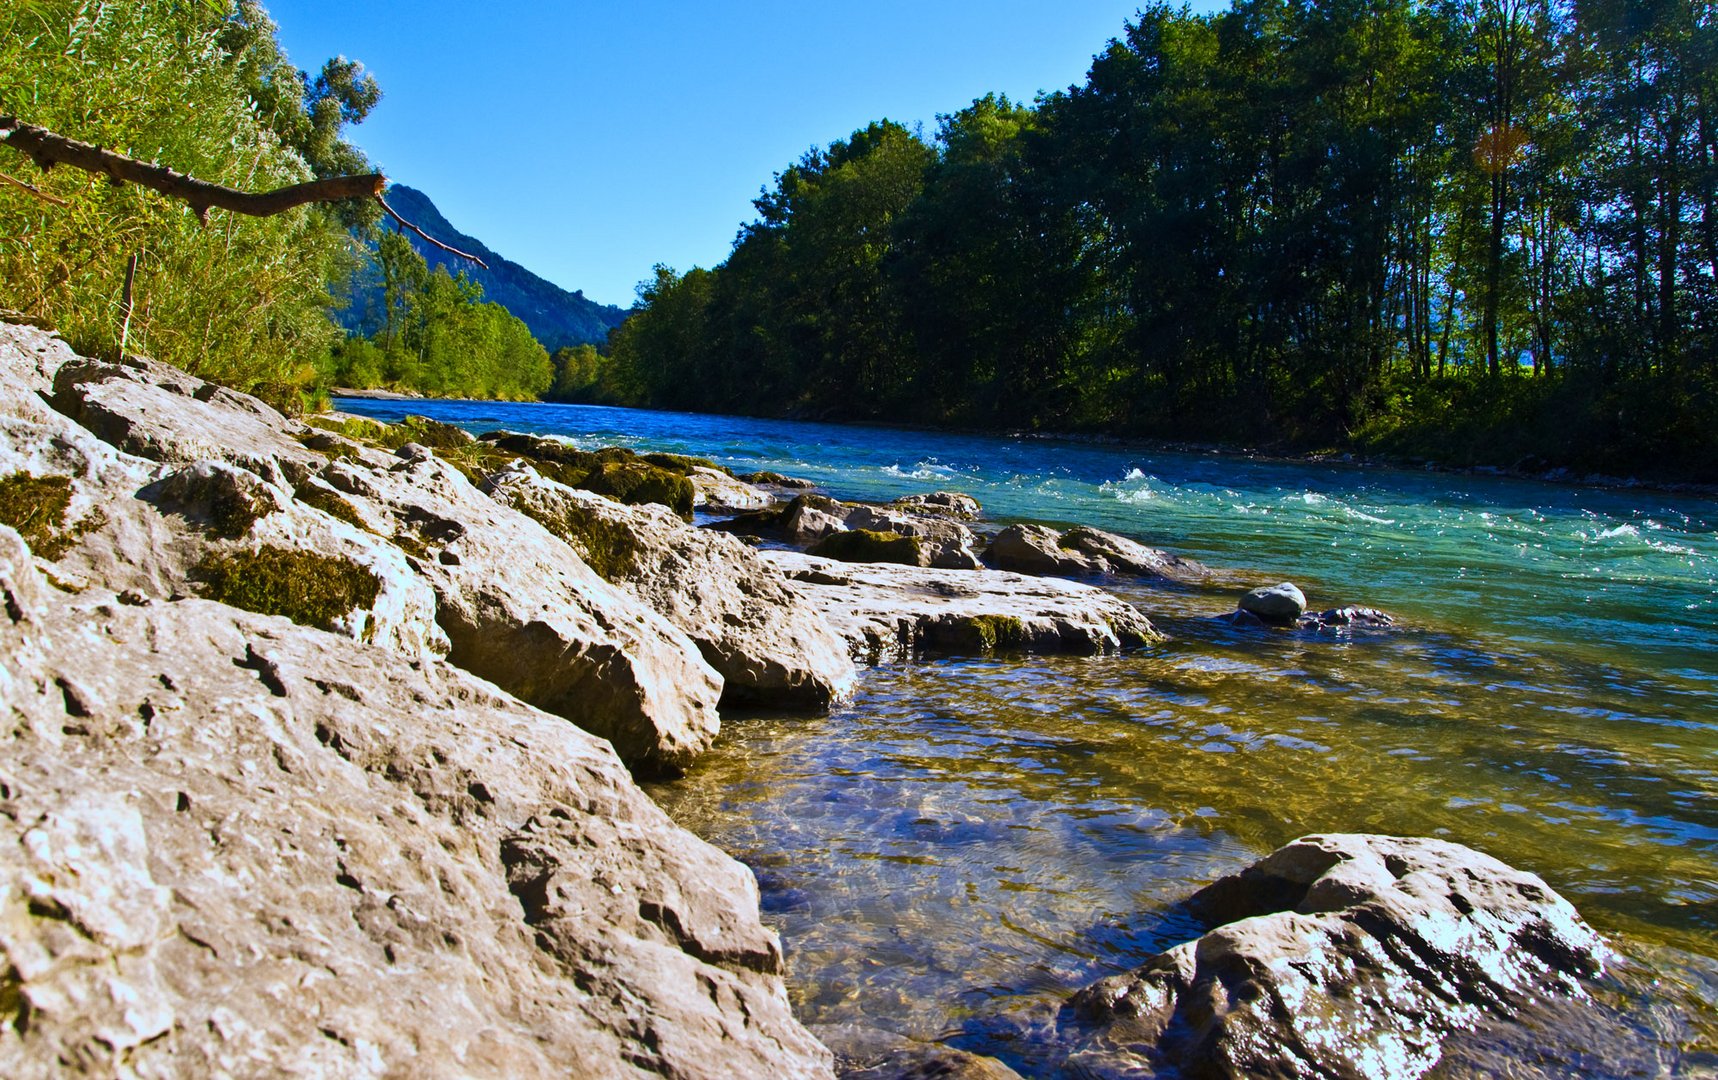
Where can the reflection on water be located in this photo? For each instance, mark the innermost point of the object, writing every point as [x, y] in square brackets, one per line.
[970, 839]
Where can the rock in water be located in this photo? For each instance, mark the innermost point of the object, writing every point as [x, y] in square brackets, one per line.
[1279, 605]
[1342, 956]
[946, 503]
[1124, 556]
[887, 612]
[237, 846]
[1037, 549]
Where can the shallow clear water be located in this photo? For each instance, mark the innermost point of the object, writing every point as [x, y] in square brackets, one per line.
[970, 839]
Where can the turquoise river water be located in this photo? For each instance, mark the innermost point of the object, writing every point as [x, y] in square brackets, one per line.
[952, 853]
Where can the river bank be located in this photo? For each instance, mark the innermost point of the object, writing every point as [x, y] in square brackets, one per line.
[359, 709]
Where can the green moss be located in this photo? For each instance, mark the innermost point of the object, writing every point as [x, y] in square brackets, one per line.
[353, 427]
[998, 631]
[868, 545]
[638, 481]
[307, 588]
[606, 546]
[411, 545]
[233, 510]
[426, 432]
[330, 502]
[683, 464]
[36, 507]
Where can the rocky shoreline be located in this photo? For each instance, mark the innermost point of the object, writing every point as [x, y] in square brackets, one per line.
[322, 742]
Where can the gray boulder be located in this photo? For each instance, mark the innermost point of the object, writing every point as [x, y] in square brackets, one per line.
[1123, 556]
[811, 517]
[1278, 605]
[240, 847]
[771, 648]
[1339, 956]
[1083, 551]
[943, 542]
[521, 609]
[887, 612]
[1037, 549]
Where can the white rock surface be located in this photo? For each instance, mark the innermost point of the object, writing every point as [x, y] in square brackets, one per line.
[231, 845]
[886, 611]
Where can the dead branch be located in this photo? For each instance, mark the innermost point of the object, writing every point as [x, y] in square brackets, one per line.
[34, 190]
[49, 149]
[427, 237]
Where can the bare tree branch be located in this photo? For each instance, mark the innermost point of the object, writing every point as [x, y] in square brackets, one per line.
[49, 149]
[34, 190]
[406, 224]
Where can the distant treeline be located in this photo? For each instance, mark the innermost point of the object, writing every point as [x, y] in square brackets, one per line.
[1477, 228]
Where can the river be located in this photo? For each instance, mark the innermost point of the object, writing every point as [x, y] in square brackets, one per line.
[951, 853]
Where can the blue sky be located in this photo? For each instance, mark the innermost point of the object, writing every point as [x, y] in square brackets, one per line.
[590, 141]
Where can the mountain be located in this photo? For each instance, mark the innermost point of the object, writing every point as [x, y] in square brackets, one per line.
[556, 317]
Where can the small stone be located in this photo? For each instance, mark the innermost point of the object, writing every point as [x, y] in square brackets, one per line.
[1279, 605]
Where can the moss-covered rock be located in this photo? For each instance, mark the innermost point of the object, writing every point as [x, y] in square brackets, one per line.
[999, 631]
[224, 499]
[330, 502]
[609, 547]
[310, 589]
[36, 506]
[638, 481]
[426, 432]
[869, 546]
[684, 464]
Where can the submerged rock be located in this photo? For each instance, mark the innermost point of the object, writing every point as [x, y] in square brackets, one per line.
[888, 612]
[1339, 956]
[1278, 605]
[771, 648]
[240, 846]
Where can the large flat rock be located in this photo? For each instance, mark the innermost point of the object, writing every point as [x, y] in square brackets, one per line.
[236, 846]
[887, 611]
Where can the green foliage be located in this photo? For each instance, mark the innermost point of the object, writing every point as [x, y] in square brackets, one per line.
[439, 337]
[36, 507]
[1256, 225]
[204, 88]
[869, 546]
[314, 590]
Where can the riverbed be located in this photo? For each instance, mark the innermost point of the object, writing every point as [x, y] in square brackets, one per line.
[951, 853]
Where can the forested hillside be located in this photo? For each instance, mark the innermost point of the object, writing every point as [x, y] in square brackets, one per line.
[1470, 229]
[556, 317]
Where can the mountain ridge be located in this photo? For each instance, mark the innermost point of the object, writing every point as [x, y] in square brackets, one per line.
[555, 316]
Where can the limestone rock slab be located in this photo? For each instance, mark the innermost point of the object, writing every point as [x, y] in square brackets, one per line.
[238, 846]
[886, 612]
